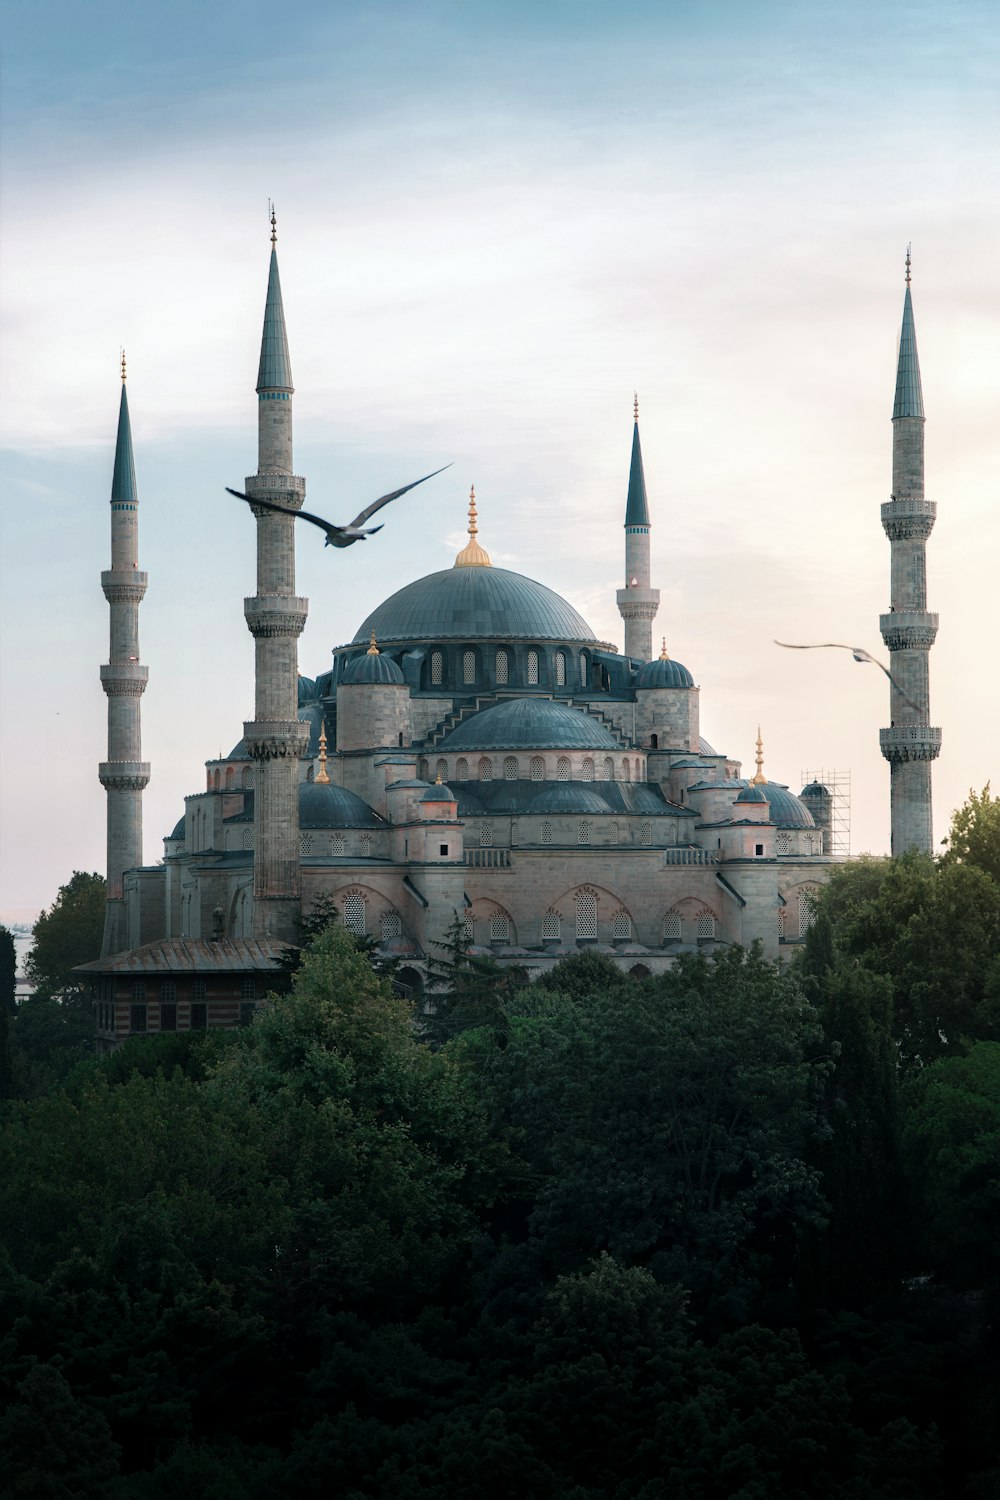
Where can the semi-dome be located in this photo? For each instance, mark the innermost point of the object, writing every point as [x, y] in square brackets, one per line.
[329, 806]
[475, 603]
[664, 673]
[530, 724]
[373, 666]
[786, 809]
[569, 797]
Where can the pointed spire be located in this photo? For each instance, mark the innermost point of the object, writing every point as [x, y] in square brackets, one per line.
[472, 555]
[123, 485]
[275, 371]
[909, 400]
[636, 509]
[760, 779]
[663, 651]
[322, 779]
[373, 649]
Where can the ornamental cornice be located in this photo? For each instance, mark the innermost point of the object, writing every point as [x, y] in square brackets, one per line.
[908, 518]
[124, 588]
[904, 743]
[275, 615]
[275, 739]
[124, 775]
[124, 679]
[909, 630]
[279, 489]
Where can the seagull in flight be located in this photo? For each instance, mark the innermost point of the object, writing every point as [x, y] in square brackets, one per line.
[339, 536]
[860, 654]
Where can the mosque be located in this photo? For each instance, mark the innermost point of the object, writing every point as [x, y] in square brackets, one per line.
[473, 755]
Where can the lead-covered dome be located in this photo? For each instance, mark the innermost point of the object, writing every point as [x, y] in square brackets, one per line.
[375, 667]
[475, 603]
[329, 806]
[530, 724]
[786, 809]
[664, 673]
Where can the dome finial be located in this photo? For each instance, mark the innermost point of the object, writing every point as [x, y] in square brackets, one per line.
[908, 264]
[373, 649]
[274, 223]
[664, 656]
[123, 366]
[760, 779]
[635, 404]
[437, 779]
[322, 779]
[472, 555]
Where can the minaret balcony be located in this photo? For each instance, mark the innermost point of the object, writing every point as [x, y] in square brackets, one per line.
[124, 775]
[638, 603]
[905, 742]
[124, 679]
[124, 588]
[275, 615]
[280, 489]
[275, 739]
[908, 629]
[909, 518]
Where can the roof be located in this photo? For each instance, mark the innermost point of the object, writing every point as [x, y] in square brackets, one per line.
[275, 370]
[123, 486]
[372, 667]
[786, 809]
[193, 956]
[636, 509]
[330, 806]
[477, 799]
[474, 604]
[569, 797]
[909, 400]
[664, 673]
[527, 724]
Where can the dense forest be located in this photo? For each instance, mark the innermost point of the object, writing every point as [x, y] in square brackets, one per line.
[729, 1233]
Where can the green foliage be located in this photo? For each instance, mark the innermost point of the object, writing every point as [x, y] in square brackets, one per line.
[8, 973]
[974, 838]
[69, 933]
[464, 989]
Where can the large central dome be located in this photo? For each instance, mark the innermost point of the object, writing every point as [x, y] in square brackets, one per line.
[470, 603]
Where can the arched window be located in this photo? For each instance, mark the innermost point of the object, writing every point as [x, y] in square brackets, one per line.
[468, 666]
[626, 769]
[310, 773]
[613, 834]
[441, 769]
[621, 926]
[782, 921]
[305, 843]
[437, 668]
[705, 927]
[546, 833]
[467, 932]
[532, 667]
[560, 669]
[230, 776]
[510, 768]
[248, 838]
[339, 844]
[583, 831]
[390, 926]
[423, 768]
[586, 913]
[588, 768]
[503, 668]
[485, 768]
[782, 843]
[355, 917]
[551, 927]
[462, 769]
[366, 845]
[247, 778]
[654, 741]
[537, 768]
[672, 927]
[805, 911]
[485, 835]
[499, 927]
[218, 778]
[609, 768]
[562, 768]
[515, 833]
[646, 835]
[583, 670]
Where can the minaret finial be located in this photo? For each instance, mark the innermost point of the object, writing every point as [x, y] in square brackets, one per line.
[635, 404]
[907, 264]
[322, 779]
[472, 555]
[760, 779]
[663, 650]
[373, 649]
[123, 366]
[274, 222]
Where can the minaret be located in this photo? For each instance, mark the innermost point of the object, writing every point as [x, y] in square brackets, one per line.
[909, 744]
[123, 775]
[637, 602]
[275, 739]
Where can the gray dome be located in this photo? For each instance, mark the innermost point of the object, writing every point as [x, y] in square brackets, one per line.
[178, 832]
[664, 673]
[329, 806]
[371, 667]
[529, 724]
[786, 809]
[753, 794]
[438, 793]
[472, 604]
[569, 797]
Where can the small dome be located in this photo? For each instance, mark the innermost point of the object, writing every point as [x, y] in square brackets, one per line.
[178, 832]
[786, 809]
[373, 667]
[752, 794]
[332, 806]
[530, 724]
[569, 797]
[438, 793]
[664, 673]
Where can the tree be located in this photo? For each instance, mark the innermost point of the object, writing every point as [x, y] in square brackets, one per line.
[974, 838]
[69, 933]
[8, 1004]
[465, 990]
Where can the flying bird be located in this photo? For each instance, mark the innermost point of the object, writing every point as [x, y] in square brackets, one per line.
[860, 654]
[339, 536]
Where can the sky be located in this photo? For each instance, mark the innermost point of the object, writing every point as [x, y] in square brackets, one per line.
[496, 220]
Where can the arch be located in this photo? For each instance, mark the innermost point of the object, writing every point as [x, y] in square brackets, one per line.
[390, 926]
[441, 768]
[305, 843]
[705, 925]
[585, 902]
[551, 926]
[230, 777]
[646, 835]
[423, 769]
[489, 922]
[437, 668]
[782, 923]
[462, 769]
[609, 768]
[502, 666]
[500, 927]
[782, 842]
[613, 831]
[654, 742]
[537, 768]
[354, 908]
[366, 846]
[583, 669]
[339, 843]
[168, 992]
[486, 835]
[469, 667]
[217, 779]
[805, 908]
[563, 768]
[560, 669]
[248, 778]
[532, 667]
[248, 838]
[626, 769]
[621, 926]
[510, 768]
[485, 768]
[672, 927]
[583, 831]
[639, 971]
[515, 833]
[588, 768]
[409, 983]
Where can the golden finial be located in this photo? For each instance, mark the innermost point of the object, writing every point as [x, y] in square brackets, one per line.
[322, 779]
[472, 555]
[123, 367]
[274, 223]
[373, 649]
[907, 265]
[760, 779]
[437, 779]
[635, 404]
[663, 650]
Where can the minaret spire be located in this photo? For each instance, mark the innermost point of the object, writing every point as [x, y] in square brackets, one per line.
[124, 774]
[909, 629]
[637, 602]
[275, 617]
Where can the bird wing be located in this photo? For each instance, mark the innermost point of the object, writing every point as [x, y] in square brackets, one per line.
[860, 654]
[370, 510]
[816, 646]
[284, 510]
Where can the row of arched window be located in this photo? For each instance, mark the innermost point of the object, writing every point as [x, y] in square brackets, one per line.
[676, 926]
[513, 768]
[533, 667]
[217, 781]
[584, 828]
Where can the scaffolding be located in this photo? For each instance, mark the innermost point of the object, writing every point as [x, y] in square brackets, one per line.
[838, 784]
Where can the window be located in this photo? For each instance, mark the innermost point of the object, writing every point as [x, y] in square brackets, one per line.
[485, 768]
[137, 1018]
[437, 668]
[537, 768]
[305, 843]
[551, 927]
[586, 914]
[199, 989]
[423, 768]
[758, 850]
[339, 844]
[613, 831]
[583, 670]
[248, 989]
[563, 768]
[247, 1012]
[626, 769]
[782, 920]
[462, 769]
[532, 668]
[168, 991]
[705, 927]
[390, 926]
[499, 927]
[783, 843]
[583, 831]
[485, 835]
[609, 768]
[248, 778]
[138, 991]
[168, 1017]
[503, 668]
[654, 741]
[366, 845]
[441, 769]
[443, 849]
[672, 927]
[199, 1016]
[468, 667]
[560, 669]
[467, 933]
[510, 768]
[806, 913]
[588, 768]
[646, 835]
[621, 926]
[354, 913]
[515, 833]
[248, 838]
[546, 833]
